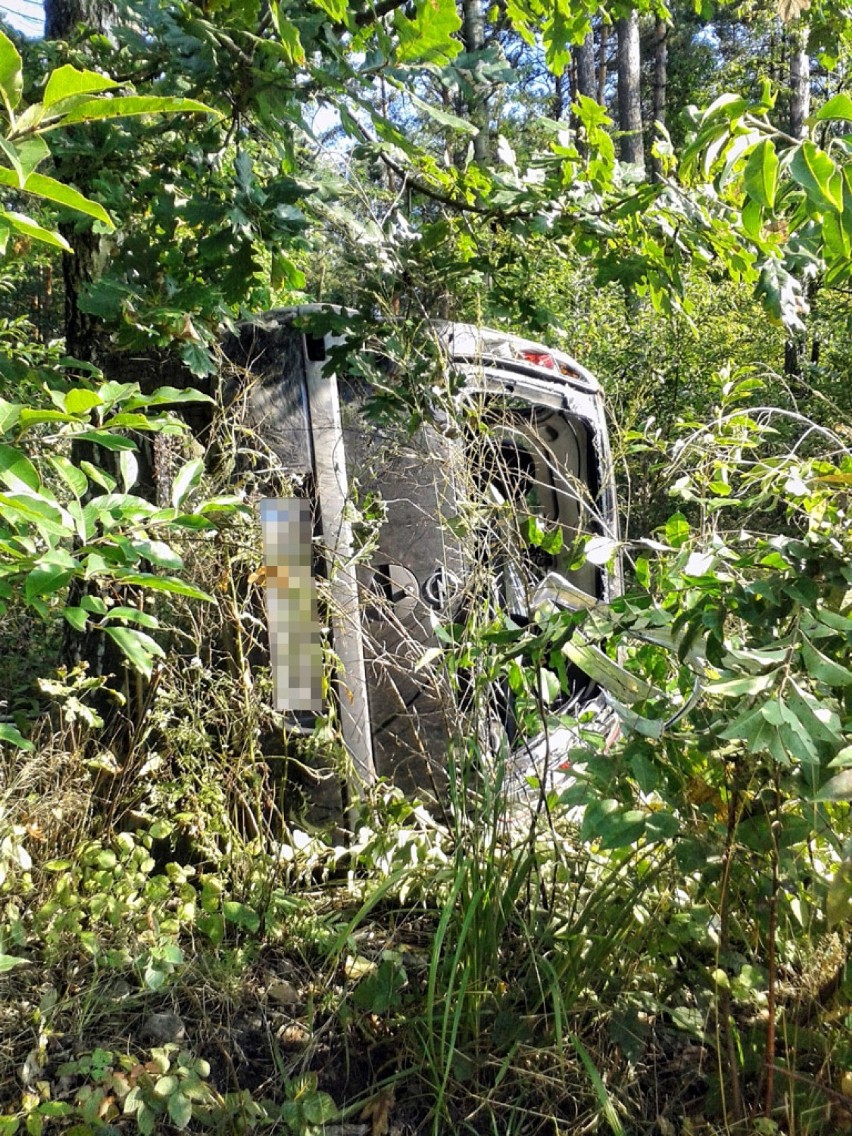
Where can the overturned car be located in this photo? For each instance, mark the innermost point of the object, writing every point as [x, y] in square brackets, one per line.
[400, 541]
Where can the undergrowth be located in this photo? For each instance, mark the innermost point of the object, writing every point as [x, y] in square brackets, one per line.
[657, 945]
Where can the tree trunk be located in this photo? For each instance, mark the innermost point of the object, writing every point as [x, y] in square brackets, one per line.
[473, 35]
[559, 99]
[795, 349]
[604, 40]
[661, 63]
[629, 101]
[82, 266]
[61, 17]
[584, 58]
[800, 82]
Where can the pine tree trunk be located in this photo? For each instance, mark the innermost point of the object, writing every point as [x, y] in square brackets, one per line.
[800, 82]
[661, 63]
[603, 43]
[559, 99]
[473, 35]
[629, 100]
[584, 58]
[82, 266]
[61, 17]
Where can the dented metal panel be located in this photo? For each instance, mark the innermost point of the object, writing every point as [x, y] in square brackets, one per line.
[526, 450]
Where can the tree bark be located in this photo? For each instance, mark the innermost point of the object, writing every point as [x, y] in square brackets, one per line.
[661, 63]
[62, 17]
[800, 82]
[603, 42]
[82, 266]
[473, 36]
[629, 100]
[559, 100]
[584, 57]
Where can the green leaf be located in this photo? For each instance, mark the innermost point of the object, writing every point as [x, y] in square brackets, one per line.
[821, 667]
[180, 1110]
[837, 238]
[818, 175]
[50, 575]
[94, 473]
[125, 106]
[319, 1108]
[11, 73]
[11, 152]
[159, 553]
[726, 107]
[839, 788]
[758, 732]
[677, 530]
[443, 117]
[138, 648]
[12, 735]
[164, 396]
[336, 9]
[55, 1108]
[16, 470]
[10, 412]
[213, 926]
[187, 478]
[49, 189]
[165, 584]
[73, 477]
[838, 901]
[107, 440]
[820, 721]
[760, 176]
[380, 991]
[781, 293]
[146, 1120]
[241, 915]
[30, 418]
[80, 400]
[428, 37]
[25, 225]
[288, 34]
[76, 617]
[9, 962]
[49, 519]
[605, 1102]
[134, 615]
[741, 685]
[842, 759]
[838, 107]
[31, 153]
[67, 81]
[129, 469]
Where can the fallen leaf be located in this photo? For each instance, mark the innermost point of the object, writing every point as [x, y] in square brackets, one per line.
[377, 1110]
[284, 992]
